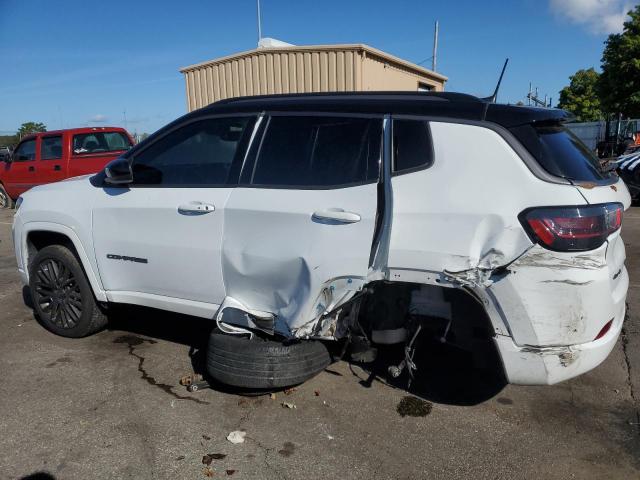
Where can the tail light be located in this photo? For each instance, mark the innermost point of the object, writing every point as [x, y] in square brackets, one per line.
[605, 330]
[571, 229]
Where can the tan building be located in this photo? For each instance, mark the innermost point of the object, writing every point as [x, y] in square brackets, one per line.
[293, 69]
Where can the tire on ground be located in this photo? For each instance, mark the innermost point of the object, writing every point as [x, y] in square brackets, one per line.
[91, 317]
[238, 361]
[5, 200]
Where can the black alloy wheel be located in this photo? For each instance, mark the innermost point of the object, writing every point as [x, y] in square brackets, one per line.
[58, 294]
[61, 295]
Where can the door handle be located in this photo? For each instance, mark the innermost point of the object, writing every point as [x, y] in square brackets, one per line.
[196, 208]
[337, 215]
[57, 168]
[32, 169]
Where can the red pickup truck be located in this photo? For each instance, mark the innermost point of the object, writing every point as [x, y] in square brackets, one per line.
[53, 156]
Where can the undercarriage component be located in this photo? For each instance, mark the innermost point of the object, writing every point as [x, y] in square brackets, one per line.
[409, 352]
[389, 337]
[361, 350]
[197, 386]
[190, 379]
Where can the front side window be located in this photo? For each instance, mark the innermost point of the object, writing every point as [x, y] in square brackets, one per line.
[26, 151]
[51, 148]
[100, 142]
[318, 152]
[200, 153]
[412, 147]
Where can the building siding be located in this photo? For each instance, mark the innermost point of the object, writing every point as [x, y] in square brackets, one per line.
[302, 70]
[383, 75]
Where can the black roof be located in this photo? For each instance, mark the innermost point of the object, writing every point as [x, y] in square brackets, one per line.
[434, 104]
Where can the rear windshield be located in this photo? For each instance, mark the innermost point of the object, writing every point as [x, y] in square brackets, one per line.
[560, 152]
[98, 142]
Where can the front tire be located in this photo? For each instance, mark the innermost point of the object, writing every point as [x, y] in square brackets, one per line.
[5, 200]
[62, 297]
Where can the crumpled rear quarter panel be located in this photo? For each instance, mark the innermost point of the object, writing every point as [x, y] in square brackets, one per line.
[559, 298]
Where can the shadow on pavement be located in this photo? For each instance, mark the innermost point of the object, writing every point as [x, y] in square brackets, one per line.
[445, 374]
[176, 328]
[39, 476]
[160, 324]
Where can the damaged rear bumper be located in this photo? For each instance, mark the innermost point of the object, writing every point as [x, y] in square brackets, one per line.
[527, 365]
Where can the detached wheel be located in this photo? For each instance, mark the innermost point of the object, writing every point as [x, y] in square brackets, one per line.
[5, 200]
[61, 294]
[263, 364]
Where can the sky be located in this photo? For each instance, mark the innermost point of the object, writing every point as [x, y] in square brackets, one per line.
[70, 63]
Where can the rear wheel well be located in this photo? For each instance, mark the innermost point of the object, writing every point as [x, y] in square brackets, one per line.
[448, 315]
[456, 363]
[395, 300]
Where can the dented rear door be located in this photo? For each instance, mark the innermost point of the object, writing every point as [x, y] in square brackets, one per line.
[298, 233]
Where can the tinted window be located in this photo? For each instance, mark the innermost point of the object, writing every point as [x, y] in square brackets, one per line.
[26, 151]
[50, 148]
[99, 142]
[319, 151]
[412, 147]
[201, 153]
[560, 152]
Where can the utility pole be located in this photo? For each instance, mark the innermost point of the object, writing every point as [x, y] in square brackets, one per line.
[259, 22]
[124, 116]
[434, 59]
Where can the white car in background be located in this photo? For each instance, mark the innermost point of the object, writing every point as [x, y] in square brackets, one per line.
[5, 152]
[294, 220]
[628, 167]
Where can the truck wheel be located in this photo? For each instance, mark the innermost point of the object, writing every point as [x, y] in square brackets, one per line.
[62, 297]
[5, 199]
[263, 364]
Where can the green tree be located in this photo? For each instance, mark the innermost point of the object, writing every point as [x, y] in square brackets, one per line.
[8, 140]
[619, 84]
[580, 97]
[31, 127]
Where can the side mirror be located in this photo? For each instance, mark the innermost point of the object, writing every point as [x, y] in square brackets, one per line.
[118, 172]
[8, 158]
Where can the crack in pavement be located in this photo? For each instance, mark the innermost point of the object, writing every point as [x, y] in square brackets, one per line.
[250, 406]
[132, 341]
[627, 361]
[266, 451]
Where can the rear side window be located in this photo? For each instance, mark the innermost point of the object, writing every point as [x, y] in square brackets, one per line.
[100, 142]
[560, 152]
[51, 148]
[200, 153]
[412, 147]
[318, 152]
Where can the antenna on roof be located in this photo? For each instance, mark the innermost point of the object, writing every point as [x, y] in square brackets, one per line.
[259, 22]
[434, 58]
[494, 97]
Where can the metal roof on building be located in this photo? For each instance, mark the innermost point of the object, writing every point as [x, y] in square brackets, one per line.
[359, 47]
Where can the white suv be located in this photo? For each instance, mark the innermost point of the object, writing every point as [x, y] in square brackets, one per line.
[293, 219]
